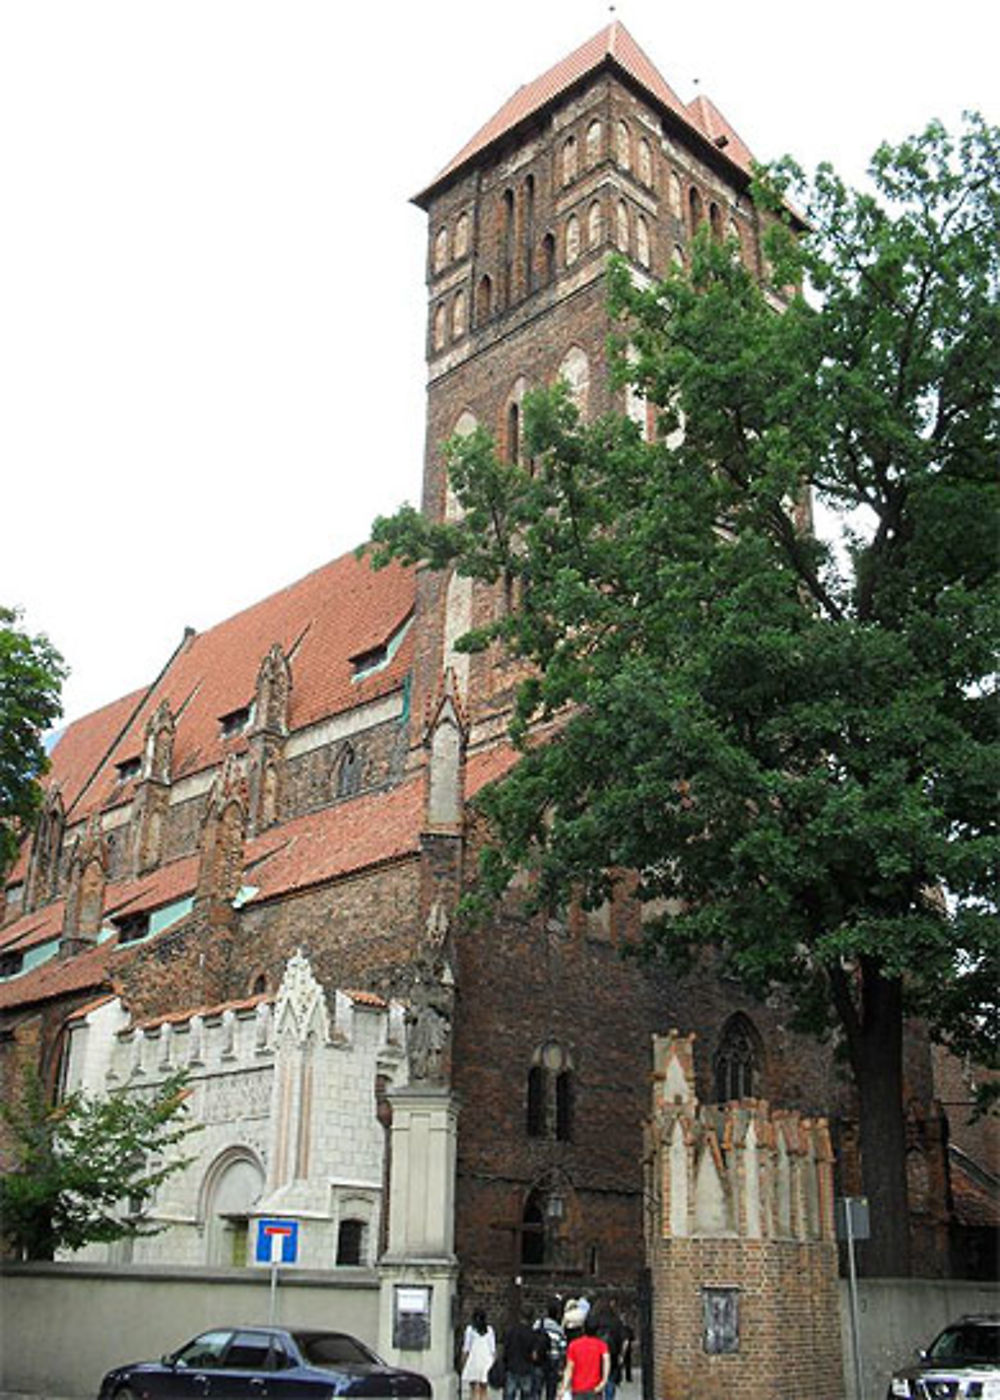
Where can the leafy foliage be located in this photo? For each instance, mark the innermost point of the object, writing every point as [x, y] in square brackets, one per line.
[77, 1162]
[787, 734]
[31, 674]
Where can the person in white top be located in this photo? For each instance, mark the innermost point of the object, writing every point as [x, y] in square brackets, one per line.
[479, 1348]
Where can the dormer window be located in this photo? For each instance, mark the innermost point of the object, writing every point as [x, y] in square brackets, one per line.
[235, 722]
[128, 768]
[132, 927]
[11, 964]
[370, 660]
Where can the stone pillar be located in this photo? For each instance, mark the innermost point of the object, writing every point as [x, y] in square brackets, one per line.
[419, 1267]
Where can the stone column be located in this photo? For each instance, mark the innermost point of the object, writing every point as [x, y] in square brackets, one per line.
[420, 1264]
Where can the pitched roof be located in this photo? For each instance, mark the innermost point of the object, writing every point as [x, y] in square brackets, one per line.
[613, 46]
[336, 613]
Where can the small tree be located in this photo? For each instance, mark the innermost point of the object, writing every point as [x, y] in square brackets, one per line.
[790, 738]
[74, 1164]
[31, 674]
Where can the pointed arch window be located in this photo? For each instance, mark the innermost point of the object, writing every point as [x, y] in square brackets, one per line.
[440, 326]
[642, 241]
[569, 160]
[623, 144]
[348, 772]
[572, 240]
[645, 161]
[715, 221]
[461, 235]
[484, 300]
[458, 320]
[549, 257]
[593, 142]
[674, 195]
[595, 224]
[440, 249]
[514, 432]
[695, 209]
[564, 1106]
[533, 1232]
[621, 226]
[737, 1062]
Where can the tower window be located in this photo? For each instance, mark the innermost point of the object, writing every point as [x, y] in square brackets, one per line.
[621, 226]
[461, 235]
[645, 162]
[572, 239]
[549, 257]
[642, 241]
[514, 432]
[569, 160]
[484, 300]
[674, 194]
[715, 220]
[595, 224]
[440, 249]
[623, 145]
[695, 208]
[593, 142]
[440, 326]
[458, 315]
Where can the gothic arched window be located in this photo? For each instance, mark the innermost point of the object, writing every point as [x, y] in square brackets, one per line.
[513, 432]
[533, 1232]
[440, 249]
[440, 325]
[484, 300]
[461, 235]
[595, 224]
[645, 162]
[715, 220]
[458, 315]
[564, 1106]
[642, 241]
[549, 257]
[621, 226]
[348, 772]
[674, 194]
[593, 142]
[569, 160]
[737, 1061]
[695, 209]
[572, 239]
[623, 145]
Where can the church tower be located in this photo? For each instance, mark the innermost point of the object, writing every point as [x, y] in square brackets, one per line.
[598, 155]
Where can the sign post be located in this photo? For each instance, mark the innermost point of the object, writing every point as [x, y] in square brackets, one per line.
[277, 1243]
[853, 1224]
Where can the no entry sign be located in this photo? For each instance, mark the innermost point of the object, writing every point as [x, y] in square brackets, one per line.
[277, 1242]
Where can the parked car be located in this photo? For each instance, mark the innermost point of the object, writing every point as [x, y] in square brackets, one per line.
[266, 1363]
[962, 1363]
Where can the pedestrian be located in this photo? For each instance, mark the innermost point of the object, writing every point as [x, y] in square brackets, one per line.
[628, 1350]
[608, 1326]
[479, 1348]
[524, 1347]
[555, 1359]
[572, 1319]
[588, 1363]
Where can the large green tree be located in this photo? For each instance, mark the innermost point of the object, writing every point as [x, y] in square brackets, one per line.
[82, 1170]
[31, 676]
[788, 733]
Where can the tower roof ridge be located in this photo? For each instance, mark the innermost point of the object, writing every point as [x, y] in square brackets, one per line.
[612, 44]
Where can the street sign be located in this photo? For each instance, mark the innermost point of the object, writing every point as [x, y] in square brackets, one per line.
[852, 1218]
[277, 1242]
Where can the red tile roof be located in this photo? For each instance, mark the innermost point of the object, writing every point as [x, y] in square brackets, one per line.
[615, 46]
[707, 117]
[335, 613]
[58, 978]
[339, 840]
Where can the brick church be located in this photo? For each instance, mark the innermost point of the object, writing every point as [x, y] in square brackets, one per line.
[250, 868]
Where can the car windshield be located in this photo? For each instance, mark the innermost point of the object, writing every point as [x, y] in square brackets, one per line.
[334, 1349]
[968, 1341]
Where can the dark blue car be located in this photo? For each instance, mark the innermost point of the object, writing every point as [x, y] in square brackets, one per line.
[265, 1363]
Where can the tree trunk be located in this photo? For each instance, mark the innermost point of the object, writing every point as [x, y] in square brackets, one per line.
[877, 1057]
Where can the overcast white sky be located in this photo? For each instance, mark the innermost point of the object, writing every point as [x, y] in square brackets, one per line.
[212, 304]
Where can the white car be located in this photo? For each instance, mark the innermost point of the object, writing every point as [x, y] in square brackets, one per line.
[962, 1363]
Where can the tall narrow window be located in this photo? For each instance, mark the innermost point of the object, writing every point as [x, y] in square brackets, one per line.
[645, 161]
[715, 220]
[461, 235]
[564, 1106]
[642, 241]
[595, 224]
[440, 249]
[533, 1233]
[674, 194]
[621, 226]
[440, 326]
[593, 142]
[348, 772]
[549, 257]
[508, 247]
[458, 315]
[623, 146]
[484, 300]
[572, 240]
[528, 233]
[695, 209]
[536, 1101]
[569, 160]
[513, 432]
[737, 1060]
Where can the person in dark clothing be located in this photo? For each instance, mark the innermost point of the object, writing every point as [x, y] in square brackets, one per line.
[609, 1327]
[555, 1338]
[524, 1347]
